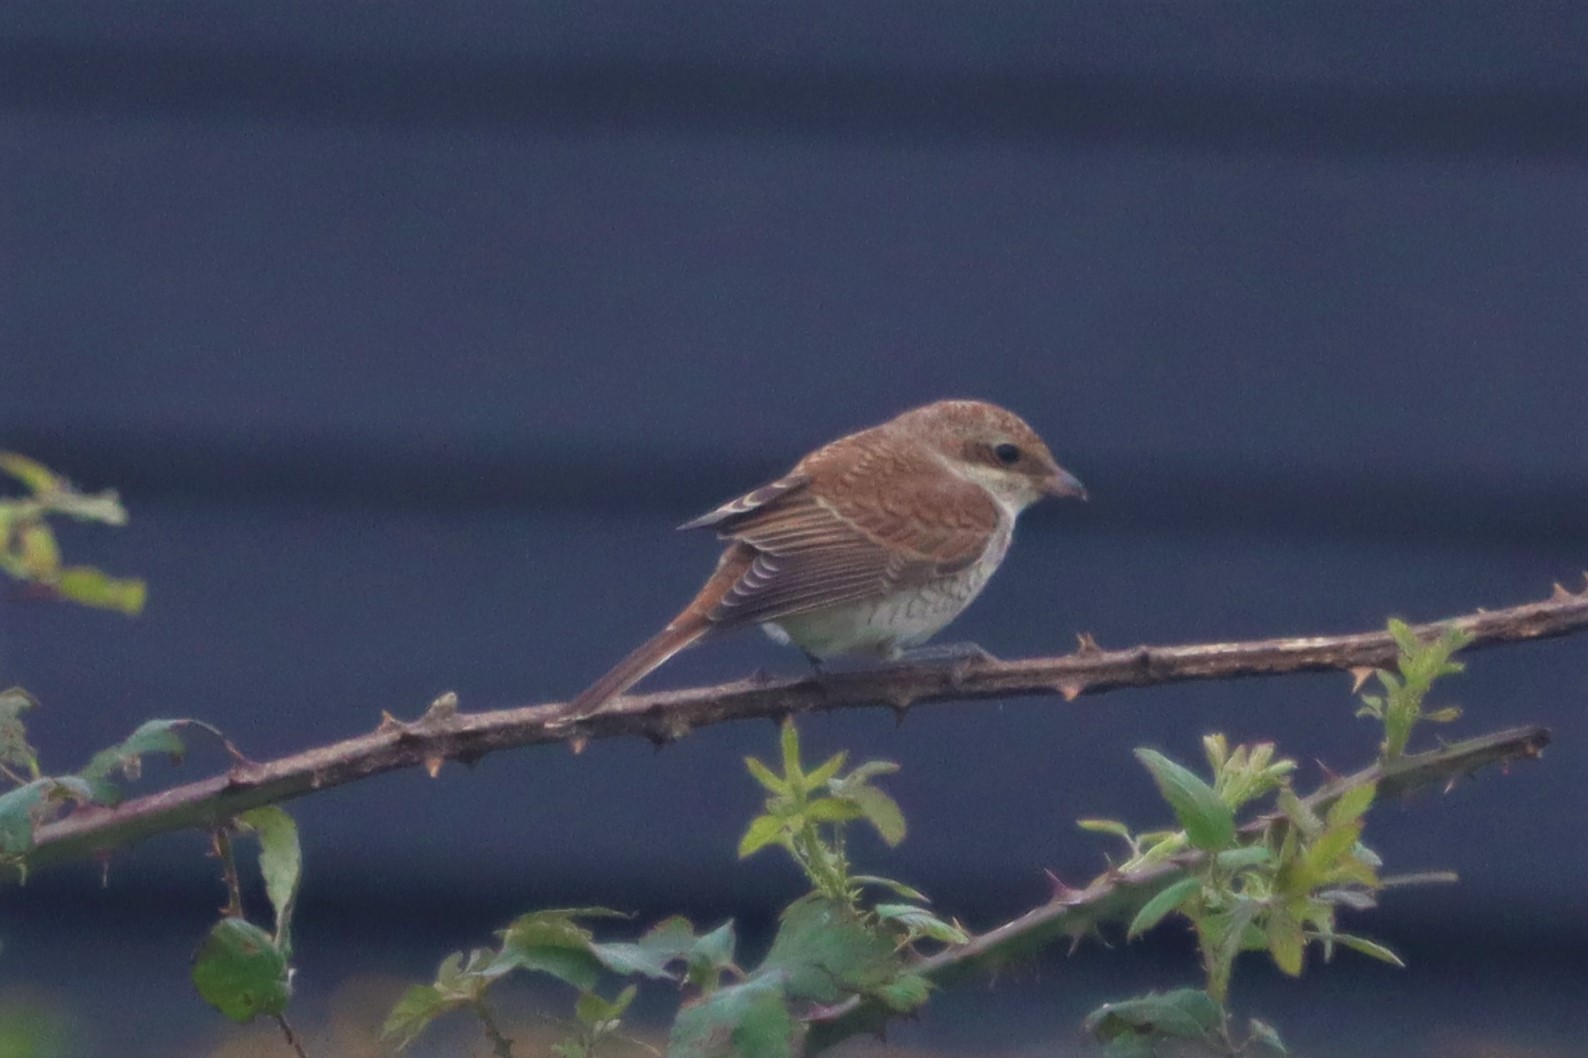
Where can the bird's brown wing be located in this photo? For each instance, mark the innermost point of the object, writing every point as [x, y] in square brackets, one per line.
[817, 539]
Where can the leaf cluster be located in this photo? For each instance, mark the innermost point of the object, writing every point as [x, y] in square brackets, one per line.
[37, 798]
[1418, 665]
[30, 553]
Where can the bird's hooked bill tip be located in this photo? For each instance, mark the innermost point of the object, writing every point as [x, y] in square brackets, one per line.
[1064, 484]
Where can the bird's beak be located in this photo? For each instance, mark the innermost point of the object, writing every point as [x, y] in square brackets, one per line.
[1062, 483]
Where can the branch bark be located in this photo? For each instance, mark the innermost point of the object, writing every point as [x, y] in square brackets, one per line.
[444, 733]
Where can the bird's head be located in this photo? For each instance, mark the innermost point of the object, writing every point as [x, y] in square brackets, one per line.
[993, 447]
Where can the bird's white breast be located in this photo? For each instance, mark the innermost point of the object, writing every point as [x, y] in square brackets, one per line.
[889, 623]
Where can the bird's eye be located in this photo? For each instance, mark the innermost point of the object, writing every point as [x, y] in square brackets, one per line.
[1007, 453]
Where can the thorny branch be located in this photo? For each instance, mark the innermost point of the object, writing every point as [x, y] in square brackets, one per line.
[444, 733]
[1117, 895]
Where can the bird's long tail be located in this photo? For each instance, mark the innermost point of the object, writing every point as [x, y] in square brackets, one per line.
[680, 633]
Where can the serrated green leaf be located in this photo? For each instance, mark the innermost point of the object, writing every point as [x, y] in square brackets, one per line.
[1404, 637]
[412, 1014]
[919, 922]
[551, 942]
[712, 954]
[749, 1020]
[881, 811]
[1168, 899]
[1185, 1013]
[825, 951]
[93, 587]
[1208, 821]
[828, 769]
[126, 758]
[240, 972]
[904, 993]
[1370, 948]
[763, 831]
[766, 778]
[280, 862]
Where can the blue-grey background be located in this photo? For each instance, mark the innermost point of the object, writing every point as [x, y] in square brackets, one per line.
[408, 330]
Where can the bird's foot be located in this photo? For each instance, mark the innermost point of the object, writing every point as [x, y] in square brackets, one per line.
[966, 652]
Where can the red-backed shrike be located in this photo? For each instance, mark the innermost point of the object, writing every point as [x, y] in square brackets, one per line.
[870, 545]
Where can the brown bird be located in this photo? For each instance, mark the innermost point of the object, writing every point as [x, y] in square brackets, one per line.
[870, 545]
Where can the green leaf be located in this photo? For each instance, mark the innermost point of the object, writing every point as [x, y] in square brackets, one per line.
[92, 587]
[414, 1012]
[1265, 1035]
[828, 769]
[280, 862]
[766, 778]
[35, 475]
[551, 942]
[240, 971]
[826, 951]
[14, 748]
[908, 892]
[1286, 944]
[711, 954]
[595, 1012]
[832, 810]
[904, 993]
[1246, 856]
[763, 831]
[1404, 637]
[1351, 805]
[789, 738]
[863, 774]
[1208, 821]
[1333, 844]
[1370, 948]
[919, 922]
[126, 758]
[1185, 1013]
[669, 941]
[749, 1020]
[37, 552]
[881, 811]
[1105, 826]
[1169, 898]
[21, 811]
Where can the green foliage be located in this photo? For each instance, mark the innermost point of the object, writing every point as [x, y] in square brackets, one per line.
[1274, 885]
[241, 969]
[1418, 665]
[36, 798]
[829, 946]
[806, 811]
[28, 548]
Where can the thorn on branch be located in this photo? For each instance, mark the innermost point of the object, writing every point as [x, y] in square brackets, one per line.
[1088, 645]
[442, 709]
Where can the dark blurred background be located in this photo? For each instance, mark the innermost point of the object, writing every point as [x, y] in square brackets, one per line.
[408, 330]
